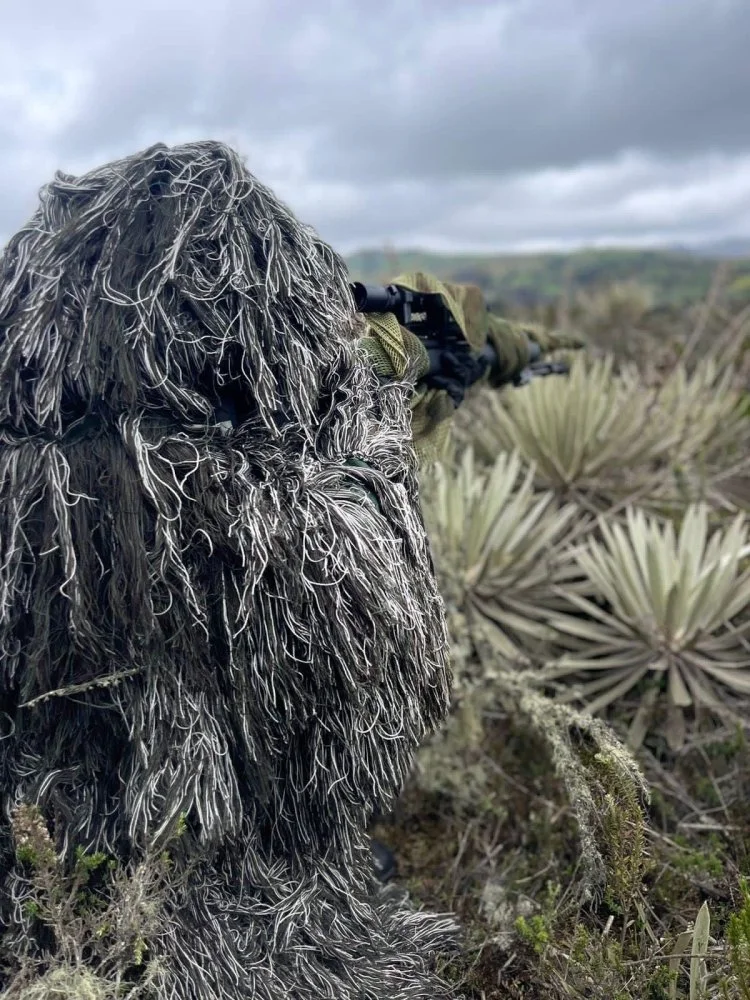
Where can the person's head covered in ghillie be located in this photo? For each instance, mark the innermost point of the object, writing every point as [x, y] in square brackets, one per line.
[219, 626]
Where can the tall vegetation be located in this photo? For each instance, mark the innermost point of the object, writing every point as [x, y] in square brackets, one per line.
[584, 811]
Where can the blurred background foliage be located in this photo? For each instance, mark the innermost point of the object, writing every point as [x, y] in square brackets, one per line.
[673, 278]
[585, 810]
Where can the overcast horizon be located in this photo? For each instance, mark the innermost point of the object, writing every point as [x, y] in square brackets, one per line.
[472, 126]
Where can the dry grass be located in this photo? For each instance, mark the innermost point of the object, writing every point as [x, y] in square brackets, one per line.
[498, 824]
[101, 921]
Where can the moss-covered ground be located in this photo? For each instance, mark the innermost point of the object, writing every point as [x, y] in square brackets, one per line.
[508, 864]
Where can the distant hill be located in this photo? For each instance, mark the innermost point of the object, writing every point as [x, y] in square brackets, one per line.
[675, 277]
[737, 247]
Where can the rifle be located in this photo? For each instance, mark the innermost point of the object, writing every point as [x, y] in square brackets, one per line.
[426, 315]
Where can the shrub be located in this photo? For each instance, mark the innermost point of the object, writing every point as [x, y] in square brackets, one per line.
[668, 616]
[497, 546]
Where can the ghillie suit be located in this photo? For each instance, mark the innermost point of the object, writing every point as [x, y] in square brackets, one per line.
[219, 625]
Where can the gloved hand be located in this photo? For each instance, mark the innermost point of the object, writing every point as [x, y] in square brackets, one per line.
[454, 370]
[550, 340]
[512, 342]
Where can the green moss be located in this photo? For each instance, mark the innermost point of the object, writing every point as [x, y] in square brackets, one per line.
[28, 855]
[660, 984]
[728, 749]
[181, 827]
[709, 860]
[738, 936]
[706, 790]
[140, 950]
[535, 931]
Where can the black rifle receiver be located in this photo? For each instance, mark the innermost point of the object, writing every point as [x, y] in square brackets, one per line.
[426, 316]
[423, 313]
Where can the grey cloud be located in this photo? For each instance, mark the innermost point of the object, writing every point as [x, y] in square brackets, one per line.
[571, 82]
[392, 89]
[473, 123]
[631, 201]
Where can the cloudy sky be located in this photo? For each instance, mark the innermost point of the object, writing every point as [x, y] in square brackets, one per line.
[447, 124]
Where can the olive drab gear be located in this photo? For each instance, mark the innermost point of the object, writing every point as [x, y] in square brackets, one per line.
[397, 353]
[547, 340]
[393, 350]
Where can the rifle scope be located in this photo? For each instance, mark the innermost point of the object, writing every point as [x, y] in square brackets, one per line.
[377, 298]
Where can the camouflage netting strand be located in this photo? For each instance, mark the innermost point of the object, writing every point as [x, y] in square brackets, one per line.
[217, 609]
